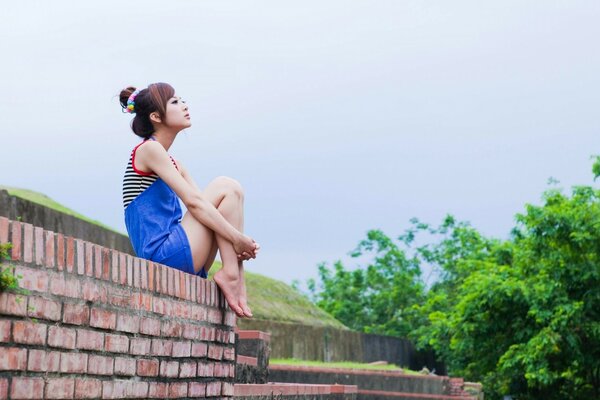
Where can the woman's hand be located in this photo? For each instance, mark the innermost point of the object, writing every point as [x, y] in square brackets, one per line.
[246, 248]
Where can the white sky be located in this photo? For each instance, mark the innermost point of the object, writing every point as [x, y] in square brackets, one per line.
[336, 116]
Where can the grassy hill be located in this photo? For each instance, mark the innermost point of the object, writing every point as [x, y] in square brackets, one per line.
[269, 298]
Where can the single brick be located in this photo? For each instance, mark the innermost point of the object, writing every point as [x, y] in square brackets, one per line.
[229, 354]
[27, 242]
[157, 390]
[114, 266]
[115, 389]
[43, 361]
[188, 369]
[213, 389]
[5, 331]
[75, 363]
[29, 332]
[164, 284]
[116, 343]
[33, 279]
[136, 273]
[161, 347]
[3, 387]
[105, 319]
[105, 264]
[215, 316]
[93, 292]
[191, 332]
[61, 337]
[49, 249]
[70, 254]
[12, 304]
[72, 287]
[138, 390]
[182, 349]
[230, 318]
[90, 340]
[172, 329]
[128, 323]
[4, 225]
[227, 389]
[150, 326]
[139, 346]
[27, 388]
[147, 367]
[85, 261]
[76, 314]
[60, 388]
[151, 269]
[199, 349]
[169, 369]
[199, 313]
[38, 234]
[13, 359]
[44, 309]
[97, 261]
[206, 369]
[215, 352]
[57, 284]
[15, 240]
[125, 366]
[119, 296]
[171, 282]
[100, 365]
[197, 389]
[60, 252]
[221, 370]
[130, 270]
[123, 268]
[178, 389]
[158, 306]
[87, 388]
[144, 274]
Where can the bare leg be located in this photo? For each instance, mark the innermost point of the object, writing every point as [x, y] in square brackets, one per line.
[225, 194]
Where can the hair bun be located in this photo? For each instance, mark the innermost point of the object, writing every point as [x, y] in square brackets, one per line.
[124, 95]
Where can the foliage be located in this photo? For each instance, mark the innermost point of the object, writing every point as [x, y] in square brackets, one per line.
[375, 299]
[520, 315]
[7, 279]
[523, 315]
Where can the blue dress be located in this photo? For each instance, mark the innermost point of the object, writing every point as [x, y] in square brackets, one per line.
[153, 221]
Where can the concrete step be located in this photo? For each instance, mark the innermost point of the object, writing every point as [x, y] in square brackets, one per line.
[369, 380]
[294, 391]
[383, 395]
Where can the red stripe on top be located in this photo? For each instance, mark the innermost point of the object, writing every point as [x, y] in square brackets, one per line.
[139, 172]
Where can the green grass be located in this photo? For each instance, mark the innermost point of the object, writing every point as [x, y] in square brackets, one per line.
[46, 201]
[341, 364]
[274, 300]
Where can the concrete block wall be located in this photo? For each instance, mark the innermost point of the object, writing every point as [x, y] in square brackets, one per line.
[101, 324]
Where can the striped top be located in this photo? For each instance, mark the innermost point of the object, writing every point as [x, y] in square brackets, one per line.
[136, 181]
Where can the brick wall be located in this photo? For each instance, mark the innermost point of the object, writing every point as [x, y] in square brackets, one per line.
[101, 324]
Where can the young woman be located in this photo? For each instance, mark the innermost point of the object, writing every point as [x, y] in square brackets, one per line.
[153, 184]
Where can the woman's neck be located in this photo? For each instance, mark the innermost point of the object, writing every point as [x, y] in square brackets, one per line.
[165, 137]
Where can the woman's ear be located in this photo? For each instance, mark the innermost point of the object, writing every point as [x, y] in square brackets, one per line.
[155, 117]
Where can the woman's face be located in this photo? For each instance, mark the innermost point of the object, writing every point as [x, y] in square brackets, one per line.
[177, 114]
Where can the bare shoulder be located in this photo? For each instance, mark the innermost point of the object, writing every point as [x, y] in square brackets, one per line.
[151, 147]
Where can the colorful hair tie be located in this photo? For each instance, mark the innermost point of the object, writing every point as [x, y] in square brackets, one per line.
[131, 102]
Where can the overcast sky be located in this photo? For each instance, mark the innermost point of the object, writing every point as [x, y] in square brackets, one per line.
[336, 116]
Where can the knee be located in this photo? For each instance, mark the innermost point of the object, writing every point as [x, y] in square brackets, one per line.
[230, 186]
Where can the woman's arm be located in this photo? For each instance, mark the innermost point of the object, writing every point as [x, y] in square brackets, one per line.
[153, 156]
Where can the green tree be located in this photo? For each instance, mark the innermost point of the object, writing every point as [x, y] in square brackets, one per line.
[523, 315]
[378, 298]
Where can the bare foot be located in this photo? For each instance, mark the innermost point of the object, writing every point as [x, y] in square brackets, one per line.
[229, 287]
[243, 303]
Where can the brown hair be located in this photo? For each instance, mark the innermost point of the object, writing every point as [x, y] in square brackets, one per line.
[152, 99]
